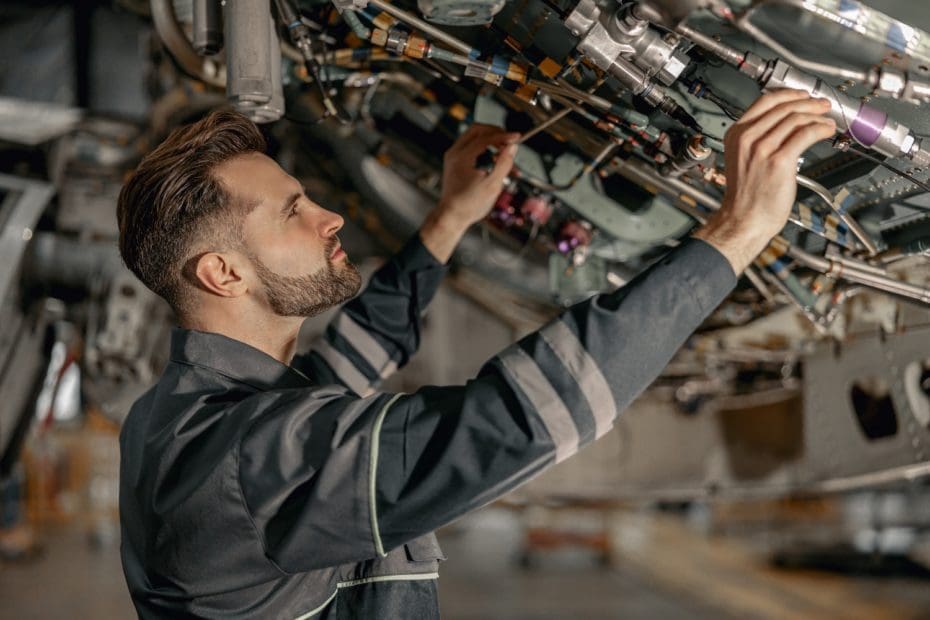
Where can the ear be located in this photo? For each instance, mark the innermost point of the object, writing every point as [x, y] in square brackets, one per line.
[220, 274]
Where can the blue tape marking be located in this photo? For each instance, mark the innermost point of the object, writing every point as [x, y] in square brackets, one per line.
[848, 201]
[777, 266]
[817, 223]
[499, 65]
[896, 39]
[849, 9]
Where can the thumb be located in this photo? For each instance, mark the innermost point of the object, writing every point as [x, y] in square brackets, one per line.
[503, 165]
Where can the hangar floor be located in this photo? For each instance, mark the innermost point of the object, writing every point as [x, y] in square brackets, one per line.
[663, 570]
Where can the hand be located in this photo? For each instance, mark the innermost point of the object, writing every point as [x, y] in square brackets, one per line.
[761, 156]
[467, 192]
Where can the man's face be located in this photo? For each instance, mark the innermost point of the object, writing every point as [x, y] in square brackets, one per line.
[290, 241]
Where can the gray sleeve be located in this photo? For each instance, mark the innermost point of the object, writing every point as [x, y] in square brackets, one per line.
[441, 452]
[377, 332]
[329, 478]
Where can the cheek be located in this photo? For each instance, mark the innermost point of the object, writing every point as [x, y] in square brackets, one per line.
[296, 253]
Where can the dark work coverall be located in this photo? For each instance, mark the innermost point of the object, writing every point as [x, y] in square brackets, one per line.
[252, 489]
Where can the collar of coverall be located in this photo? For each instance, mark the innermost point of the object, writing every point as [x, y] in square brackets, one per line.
[233, 359]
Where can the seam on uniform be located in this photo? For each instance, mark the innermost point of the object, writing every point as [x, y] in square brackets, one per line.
[692, 285]
[357, 582]
[373, 473]
[261, 388]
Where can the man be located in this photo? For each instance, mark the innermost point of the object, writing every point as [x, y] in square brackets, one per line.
[260, 484]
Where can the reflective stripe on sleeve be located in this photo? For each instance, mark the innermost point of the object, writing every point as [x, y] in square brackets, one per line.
[373, 475]
[366, 345]
[585, 371]
[345, 370]
[553, 412]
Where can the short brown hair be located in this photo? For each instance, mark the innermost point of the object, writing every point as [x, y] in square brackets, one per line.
[173, 202]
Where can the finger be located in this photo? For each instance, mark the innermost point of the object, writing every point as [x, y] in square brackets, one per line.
[475, 131]
[769, 100]
[762, 125]
[503, 165]
[803, 138]
[482, 142]
[776, 137]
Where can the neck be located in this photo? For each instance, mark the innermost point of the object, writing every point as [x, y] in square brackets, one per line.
[271, 334]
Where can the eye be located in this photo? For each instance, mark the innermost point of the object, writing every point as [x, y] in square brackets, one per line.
[293, 211]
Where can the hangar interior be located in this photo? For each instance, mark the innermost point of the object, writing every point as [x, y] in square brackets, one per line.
[777, 466]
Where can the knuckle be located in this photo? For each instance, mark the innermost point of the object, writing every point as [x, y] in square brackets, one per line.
[781, 159]
[759, 150]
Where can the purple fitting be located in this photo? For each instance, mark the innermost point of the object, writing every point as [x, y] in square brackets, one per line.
[868, 125]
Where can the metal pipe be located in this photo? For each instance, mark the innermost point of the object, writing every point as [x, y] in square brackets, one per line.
[726, 53]
[638, 171]
[867, 125]
[570, 91]
[742, 23]
[837, 267]
[425, 28]
[808, 311]
[756, 280]
[845, 217]
[863, 274]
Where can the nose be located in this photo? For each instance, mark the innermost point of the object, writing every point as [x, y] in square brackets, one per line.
[329, 223]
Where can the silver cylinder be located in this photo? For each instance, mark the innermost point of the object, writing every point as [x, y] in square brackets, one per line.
[628, 74]
[208, 27]
[274, 109]
[869, 126]
[248, 55]
[747, 62]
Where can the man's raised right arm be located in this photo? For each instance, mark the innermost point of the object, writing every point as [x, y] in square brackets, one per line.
[418, 461]
[444, 451]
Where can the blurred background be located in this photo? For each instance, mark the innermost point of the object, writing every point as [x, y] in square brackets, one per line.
[680, 512]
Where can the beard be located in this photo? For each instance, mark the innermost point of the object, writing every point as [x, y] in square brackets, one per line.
[306, 296]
